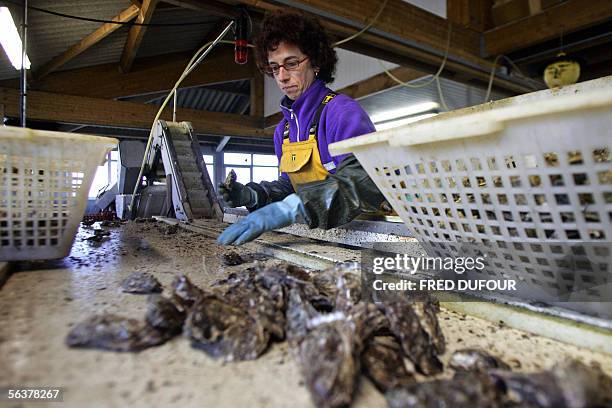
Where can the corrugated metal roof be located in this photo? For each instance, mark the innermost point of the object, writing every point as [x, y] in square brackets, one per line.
[231, 97]
[164, 40]
[106, 51]
[49, 35]
[456, 95]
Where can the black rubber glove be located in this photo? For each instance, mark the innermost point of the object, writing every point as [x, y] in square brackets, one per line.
[238, 195]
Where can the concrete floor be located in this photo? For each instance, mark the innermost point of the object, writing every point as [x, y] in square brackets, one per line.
[40, 303]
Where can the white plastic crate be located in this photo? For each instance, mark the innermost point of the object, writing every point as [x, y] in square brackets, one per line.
[45, 179]
[527, 174]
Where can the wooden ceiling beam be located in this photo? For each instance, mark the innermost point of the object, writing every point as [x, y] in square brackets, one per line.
[136, 35]
[55, 107]
[149, 75]
[472, 14]
[399, 19]
[87, 42]
[208, 6]
[404, 34]
[257, 94]
[551, 23]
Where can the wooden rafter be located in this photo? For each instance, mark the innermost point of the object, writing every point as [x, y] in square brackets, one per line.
[399, 19]
[404, 34]
[95, 37]
[136, 35]
[103, 112]
[550, 23]
[257, 94]
[149, 75]
[473, 14]
[209, 6]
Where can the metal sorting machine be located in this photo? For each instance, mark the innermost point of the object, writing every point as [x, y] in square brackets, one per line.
[189, 192]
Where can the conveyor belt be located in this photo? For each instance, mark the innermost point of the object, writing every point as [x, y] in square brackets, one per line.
[193, 195]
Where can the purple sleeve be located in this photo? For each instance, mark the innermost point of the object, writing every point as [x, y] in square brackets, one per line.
[278, 143]
[342, 119]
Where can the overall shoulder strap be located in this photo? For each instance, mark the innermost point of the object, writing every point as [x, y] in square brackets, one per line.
[286, 130]
[314, 125]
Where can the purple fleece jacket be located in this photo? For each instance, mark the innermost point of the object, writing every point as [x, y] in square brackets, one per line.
[342, 118]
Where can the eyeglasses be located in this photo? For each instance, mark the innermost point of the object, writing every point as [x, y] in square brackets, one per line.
[291, 64]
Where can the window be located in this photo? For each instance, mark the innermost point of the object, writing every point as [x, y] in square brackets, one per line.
[251, 167]
[265, 167]
[243, 174]
[241, 159]
[106, 175]
[209, 161]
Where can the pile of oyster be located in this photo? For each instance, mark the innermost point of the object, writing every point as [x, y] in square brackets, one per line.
[336, 336]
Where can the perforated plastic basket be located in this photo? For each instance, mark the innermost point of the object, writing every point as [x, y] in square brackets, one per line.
[45, 179]
[527, 174]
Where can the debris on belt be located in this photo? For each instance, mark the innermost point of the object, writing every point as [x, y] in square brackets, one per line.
[111, 224]
[167, 229]
[475, 360]
[335, 335]
[141, 282]
[231, 258]
[98, 236]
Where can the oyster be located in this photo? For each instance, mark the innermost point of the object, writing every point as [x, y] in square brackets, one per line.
[470, 390]
[185, 293]
[327, 349]
[225, 331]
[263, 301]
[416, 327]
[382, 362]
[141, 282]
[568, 384]
[115, 333]
[329, 359]
[164, 316]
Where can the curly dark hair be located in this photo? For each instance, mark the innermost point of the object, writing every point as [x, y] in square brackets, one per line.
[302, 31]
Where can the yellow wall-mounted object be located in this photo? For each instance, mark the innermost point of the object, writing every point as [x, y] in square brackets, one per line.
[564, 71]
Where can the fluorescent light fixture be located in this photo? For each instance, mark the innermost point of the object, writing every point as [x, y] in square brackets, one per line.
[401, 122]
[9, 37]
[406, 111]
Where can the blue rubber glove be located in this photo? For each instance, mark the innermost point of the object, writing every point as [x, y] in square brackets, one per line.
[273, 216]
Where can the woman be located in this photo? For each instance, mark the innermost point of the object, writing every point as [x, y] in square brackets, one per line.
[314, 187]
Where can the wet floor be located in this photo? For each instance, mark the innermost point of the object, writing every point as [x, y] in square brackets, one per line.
[40, 303]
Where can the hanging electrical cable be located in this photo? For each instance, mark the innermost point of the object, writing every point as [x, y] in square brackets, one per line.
[195, 60]
[364, 29]
[435, 76]
[98, 20]
[493, 69]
